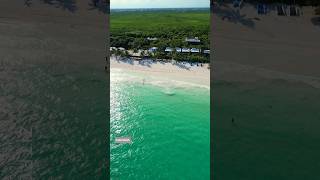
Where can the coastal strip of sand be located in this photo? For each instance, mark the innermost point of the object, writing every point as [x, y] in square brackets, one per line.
[198, 74]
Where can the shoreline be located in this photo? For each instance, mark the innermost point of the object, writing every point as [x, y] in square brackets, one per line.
[182, 72]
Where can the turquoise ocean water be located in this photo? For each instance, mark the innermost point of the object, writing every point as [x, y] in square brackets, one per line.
[169, 124]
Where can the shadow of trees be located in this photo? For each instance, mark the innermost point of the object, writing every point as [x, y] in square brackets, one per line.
[225, 10]
[233, 15]
[28, 3]
[316, 20]
[100, 5]
[71, 5]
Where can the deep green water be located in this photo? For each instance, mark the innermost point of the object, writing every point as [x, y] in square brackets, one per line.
[169, 126]
[54, 120]
[276, 131]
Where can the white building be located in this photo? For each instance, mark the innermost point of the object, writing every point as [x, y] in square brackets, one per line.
[153, 49]
[193, 40]
[195, 50]
[152, 38]
[206, 51]
[184, 50]
[168, 49]
[178, 49]
[113, 48]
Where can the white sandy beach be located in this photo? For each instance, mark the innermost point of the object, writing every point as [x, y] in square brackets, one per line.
[184, 72]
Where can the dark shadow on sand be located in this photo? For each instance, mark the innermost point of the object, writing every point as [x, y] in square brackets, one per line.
[125, 60]
[182, 66]
[233, 15]
[101, 6]
[70, 5]
[148, 62]
[315, 21]
[28, 3]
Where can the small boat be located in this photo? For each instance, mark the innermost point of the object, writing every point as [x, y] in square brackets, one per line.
[123, 140]
[169, 93]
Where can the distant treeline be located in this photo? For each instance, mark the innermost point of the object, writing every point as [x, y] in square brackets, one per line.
[131, 30]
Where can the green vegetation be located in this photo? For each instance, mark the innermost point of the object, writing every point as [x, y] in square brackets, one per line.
[130, 30]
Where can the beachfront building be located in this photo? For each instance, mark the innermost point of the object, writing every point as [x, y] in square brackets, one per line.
[113, 48]
[168, 49]
[195, 40]
[178, 49]
[206, 51]
[153, 49]
[121, 49]
[195, 50]
[152, 38]
[136, 53]
[185, 50]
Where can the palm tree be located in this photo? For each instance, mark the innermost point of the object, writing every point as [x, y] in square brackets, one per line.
[149, 54]
[122, 54]
[126, 54]
[156, 55]
[180, 57]
[142, 54]
[174, 55]
[117, 53]
[113, 51]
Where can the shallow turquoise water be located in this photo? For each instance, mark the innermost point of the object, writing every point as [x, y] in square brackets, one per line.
[169, 126]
